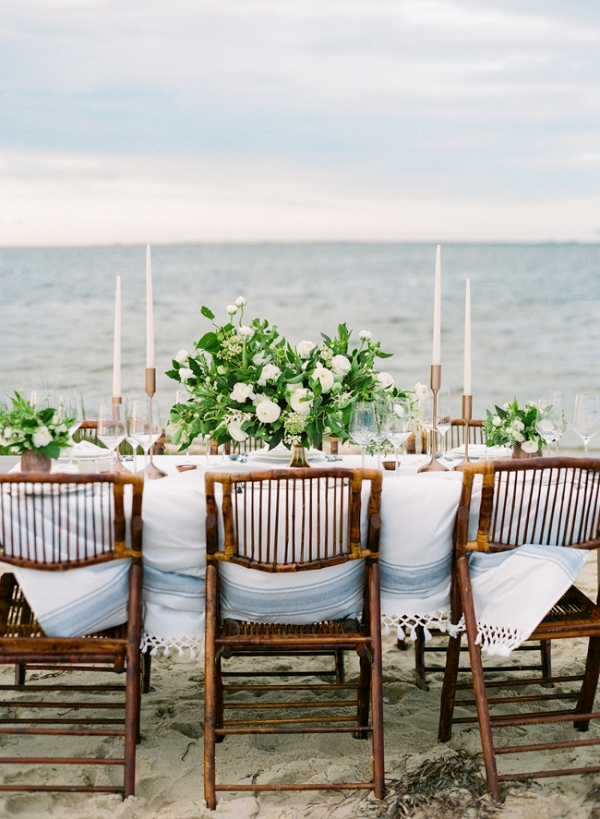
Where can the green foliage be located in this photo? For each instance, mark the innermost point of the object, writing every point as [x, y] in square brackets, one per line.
[26, 427]
[510, 425]
[247, 380]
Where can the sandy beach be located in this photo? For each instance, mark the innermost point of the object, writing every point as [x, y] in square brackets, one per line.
[169, 760]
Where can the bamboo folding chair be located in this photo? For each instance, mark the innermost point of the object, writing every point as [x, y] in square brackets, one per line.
[518, 507]
[292, 520]
[57, 523]
[456, 433]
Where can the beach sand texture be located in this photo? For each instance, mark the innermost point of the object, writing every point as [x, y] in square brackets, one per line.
[169, 761]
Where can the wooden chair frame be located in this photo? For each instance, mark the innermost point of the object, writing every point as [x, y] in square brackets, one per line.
[258, 550]
[573, 616]
[23, 643]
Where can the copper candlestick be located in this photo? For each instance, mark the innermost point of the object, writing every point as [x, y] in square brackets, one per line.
[152, 472]
[436, 381]
[467, 414]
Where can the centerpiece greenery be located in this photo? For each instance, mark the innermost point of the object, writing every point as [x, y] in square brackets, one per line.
[25, 427]
[246, 380]
[513, 426]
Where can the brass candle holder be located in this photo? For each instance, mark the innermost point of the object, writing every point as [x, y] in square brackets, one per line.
[467, 414]
[152, 472]
[436, 381]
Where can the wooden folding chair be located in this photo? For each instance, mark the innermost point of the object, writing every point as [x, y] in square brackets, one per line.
[58, 523]
[545, 501]
[456, 433]
[292, 520]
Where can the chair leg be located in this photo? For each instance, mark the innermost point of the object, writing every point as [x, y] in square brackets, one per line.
[377, 686]
[585, 703]
[146, 671]
[420, 678]
[210, 689]
[483, 714]
[20, 674]
[132, 682]
[363, 694]
[449, 689]
[340, 674]
[546, 661]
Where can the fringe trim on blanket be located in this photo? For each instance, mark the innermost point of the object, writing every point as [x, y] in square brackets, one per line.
[498, 641]
[405, 622]
[195, 645]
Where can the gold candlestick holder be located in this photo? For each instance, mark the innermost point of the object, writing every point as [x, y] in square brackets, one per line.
[152, 472]
[467, 414]
[436, 381]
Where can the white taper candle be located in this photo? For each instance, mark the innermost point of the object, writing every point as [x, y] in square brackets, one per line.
[436, 357]
[467, 388]
[149, 311]
[116, 390]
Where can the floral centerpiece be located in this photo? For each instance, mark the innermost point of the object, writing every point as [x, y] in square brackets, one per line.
[513, 426]
[246, 380]
[28, 429]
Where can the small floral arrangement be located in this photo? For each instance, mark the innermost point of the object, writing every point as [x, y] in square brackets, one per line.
[511, 425]
[26, 427]
[247, 380]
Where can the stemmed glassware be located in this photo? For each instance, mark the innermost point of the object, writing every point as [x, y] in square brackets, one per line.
[70, 408]
[550, 421]
[111, 428]
[443, 415]
[145, 429]
[378, 436]
[363, 425]
[586, 418]
[397, 424]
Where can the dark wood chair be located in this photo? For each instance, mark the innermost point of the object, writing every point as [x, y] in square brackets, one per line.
[292, 520]
[517, 507]
[456, 433]
[57, 523]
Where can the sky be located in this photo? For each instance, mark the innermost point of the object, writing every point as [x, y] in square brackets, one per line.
[298, 120]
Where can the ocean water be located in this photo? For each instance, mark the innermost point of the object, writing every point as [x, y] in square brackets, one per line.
[536, 310]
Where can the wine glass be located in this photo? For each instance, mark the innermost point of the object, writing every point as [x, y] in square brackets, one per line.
[70, 408]
[397, 424]
[111, 428]
[443, 415]
[131, 399]
[145, 429]
[379, 435]
[586, 418]
[550, 419]
[362, 425]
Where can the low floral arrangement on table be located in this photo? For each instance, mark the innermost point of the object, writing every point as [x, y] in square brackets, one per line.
[513, 426]
[25, 428]
[246, 380]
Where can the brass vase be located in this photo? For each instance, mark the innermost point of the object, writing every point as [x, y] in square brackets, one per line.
[34, 461]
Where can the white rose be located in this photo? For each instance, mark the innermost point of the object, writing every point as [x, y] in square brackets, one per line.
[259, 358]
[245, 331]
[3, 441]
[236, 432]
[517, 425]
[518, 436]
[231, 309]
[399, 410]
[185, 373]
[267, 411]
[497, 421]
[270, 373]
[421, 391]
[340, 365]
[240, 393]
[386, 380]
[299, 401]
[8, 432]
[304, 348]
[240, 302]
[365, 335]
[42, 437]
[182, 356]
[324, 377]
[529, 446]
[545, 425]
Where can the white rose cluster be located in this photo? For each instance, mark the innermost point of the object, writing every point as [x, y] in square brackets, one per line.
[340, 365]
[270, 372]
[267, 411]
[324, 377]
[241, 392]
[305, 348]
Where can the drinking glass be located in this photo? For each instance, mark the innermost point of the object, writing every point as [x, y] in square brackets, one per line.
[144, 425]
[362, 425]
[129, 404]
[378, 435]
[70, 408]
[111, 428]
[586, 418]
[550, 419]
[397, 425]
[443, 416]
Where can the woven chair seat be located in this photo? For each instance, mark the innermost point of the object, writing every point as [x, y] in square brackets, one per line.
[233, 628]
[573, 611]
